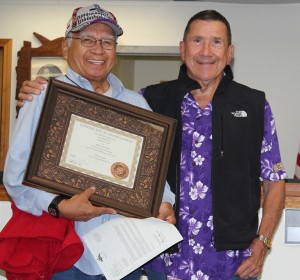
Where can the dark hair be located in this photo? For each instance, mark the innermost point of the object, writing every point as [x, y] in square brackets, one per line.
[208, 15]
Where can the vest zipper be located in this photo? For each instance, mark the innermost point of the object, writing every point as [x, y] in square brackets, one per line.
[222, 138]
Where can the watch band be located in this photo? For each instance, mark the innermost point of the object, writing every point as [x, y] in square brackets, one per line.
[53, 206]
[267, 241]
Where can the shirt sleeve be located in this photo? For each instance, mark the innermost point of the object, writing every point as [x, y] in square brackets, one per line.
[272, 168]
[168, 195]
[28, 199]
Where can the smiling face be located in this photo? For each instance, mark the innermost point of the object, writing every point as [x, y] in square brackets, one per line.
[93, 63]
[206, 51]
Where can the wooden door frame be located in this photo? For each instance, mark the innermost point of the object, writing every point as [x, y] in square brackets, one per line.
[5, 93]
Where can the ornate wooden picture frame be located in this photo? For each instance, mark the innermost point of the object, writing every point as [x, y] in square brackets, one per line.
[85, 139]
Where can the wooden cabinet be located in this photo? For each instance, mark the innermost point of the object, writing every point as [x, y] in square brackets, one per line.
[292, 192]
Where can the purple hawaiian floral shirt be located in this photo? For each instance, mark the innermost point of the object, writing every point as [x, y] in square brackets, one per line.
[197, 258]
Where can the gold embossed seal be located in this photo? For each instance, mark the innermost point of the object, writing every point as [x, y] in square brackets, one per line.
[119, 170]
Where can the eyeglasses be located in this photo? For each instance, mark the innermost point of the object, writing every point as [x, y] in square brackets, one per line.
[107, 44]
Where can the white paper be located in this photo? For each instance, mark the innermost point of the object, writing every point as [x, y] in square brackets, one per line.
[123, 244]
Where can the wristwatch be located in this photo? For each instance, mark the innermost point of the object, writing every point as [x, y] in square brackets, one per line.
[53, 206]
[267, 241]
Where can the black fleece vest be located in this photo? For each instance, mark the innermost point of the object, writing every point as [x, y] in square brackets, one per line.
[237, 132]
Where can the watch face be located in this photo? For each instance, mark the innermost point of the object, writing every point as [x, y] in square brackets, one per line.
[53, 207]
[52, 212]
[268, 243]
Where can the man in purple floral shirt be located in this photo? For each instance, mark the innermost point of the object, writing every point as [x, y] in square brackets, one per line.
[226, 142]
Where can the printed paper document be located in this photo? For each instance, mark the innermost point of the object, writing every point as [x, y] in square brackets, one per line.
[123, 244]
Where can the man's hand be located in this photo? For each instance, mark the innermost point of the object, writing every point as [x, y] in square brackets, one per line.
[28, 88]
[166, 213]
[252, 266]
[79, 208]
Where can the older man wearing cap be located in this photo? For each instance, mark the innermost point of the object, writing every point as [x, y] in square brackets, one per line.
[90, 50]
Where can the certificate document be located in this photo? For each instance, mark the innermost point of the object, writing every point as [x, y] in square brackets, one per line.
[123, 244]
[101, 151]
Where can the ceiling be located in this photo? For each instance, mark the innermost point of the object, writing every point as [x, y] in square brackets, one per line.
[235, 1]
[248, 2]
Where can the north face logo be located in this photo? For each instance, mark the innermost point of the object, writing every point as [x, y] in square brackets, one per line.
[239, 114]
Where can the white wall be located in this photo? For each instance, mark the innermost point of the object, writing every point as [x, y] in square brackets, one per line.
[267, 57]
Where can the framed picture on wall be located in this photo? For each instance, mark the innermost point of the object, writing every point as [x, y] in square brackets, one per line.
[48, 67]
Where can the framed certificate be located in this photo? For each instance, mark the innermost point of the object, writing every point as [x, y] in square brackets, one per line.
[85, 139]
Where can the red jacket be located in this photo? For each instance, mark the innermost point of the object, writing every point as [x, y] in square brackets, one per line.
[35, 247]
